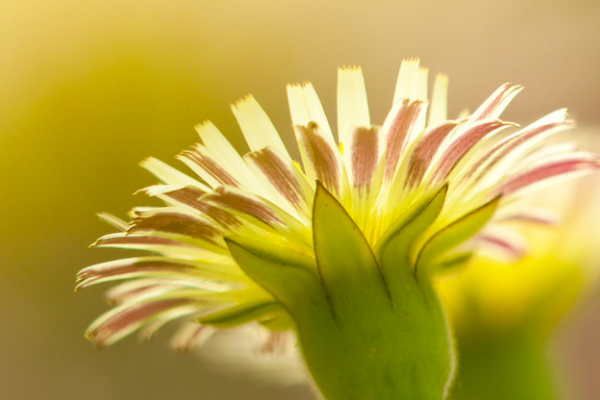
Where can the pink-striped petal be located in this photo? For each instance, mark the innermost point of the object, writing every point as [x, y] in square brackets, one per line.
[536, 216]
[156, 244]
[138, 290]
[148, 331]
[582, 162]
[545, 154]
[363, 154]
[121, 321]
[192, 198]
[497, 102]
[242, 203]
[282, 177]
[521, 139]
[472, 135]
[200, 161]
[422, 156]
[193, 335]
[277, 342]
[398, 129]
[509, 243]
[220, 150]
[321, 160]
[262, 219]
[176, 222]
[127, 267]
[173, 271]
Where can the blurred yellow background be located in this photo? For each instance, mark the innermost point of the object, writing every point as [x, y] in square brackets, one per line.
[90, 88]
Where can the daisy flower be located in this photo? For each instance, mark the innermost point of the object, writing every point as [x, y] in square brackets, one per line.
[343, 248]
[504, 312]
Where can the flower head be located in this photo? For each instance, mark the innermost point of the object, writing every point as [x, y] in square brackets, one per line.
[500, 297]
[260, 238]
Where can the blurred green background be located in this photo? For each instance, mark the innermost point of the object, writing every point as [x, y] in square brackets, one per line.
[88, 89]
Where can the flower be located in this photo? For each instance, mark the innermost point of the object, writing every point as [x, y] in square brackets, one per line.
[353, 236]
[497, 296]
[503, 312]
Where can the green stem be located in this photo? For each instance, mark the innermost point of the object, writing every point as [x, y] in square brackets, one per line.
[502, 366]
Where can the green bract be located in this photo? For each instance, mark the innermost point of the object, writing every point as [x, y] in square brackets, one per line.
[368, 329]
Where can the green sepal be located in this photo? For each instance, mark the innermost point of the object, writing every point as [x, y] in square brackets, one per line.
[452, 235]
[241, 314]
[277, 253]
[279, 322]
[295, 286]
[346, 263]
[394, 249]
[452, 263]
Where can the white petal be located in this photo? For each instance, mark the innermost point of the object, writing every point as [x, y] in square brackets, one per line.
[168, 174]
[256, 126]
[224, 153]
[412, 81]
[438, 110]
[305, 108]
[114, 221]
[282, 183]
[352, 105]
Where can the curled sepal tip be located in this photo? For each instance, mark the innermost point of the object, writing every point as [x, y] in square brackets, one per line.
[242, 314]
[290, 280]
[395, 246]
[452, 235]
